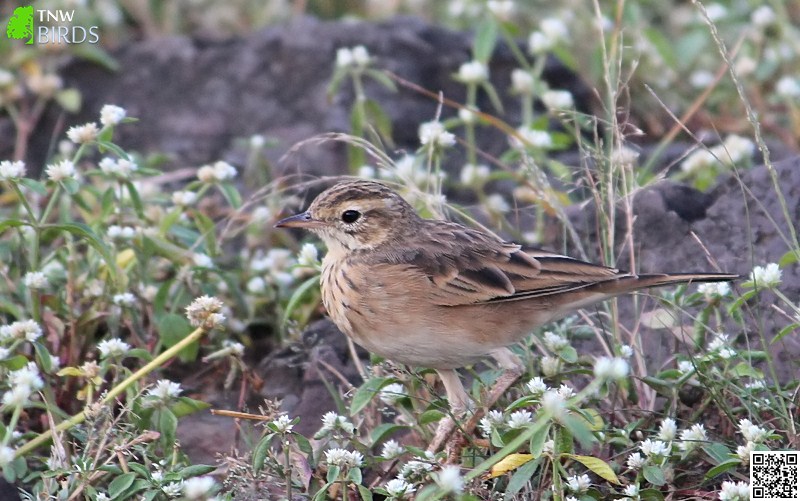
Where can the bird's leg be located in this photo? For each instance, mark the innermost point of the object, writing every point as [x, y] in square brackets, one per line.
[513, 369]
[459, 403]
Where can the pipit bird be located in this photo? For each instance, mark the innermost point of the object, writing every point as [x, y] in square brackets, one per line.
[437, 294]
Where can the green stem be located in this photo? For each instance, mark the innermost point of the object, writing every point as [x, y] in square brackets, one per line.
[50, 204]
[114, 392]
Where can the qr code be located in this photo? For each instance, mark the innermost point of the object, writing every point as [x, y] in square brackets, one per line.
[773, 475]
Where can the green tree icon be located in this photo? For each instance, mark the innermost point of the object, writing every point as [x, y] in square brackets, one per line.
[20, 25]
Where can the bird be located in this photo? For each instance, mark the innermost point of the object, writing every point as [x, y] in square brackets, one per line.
[437, 294]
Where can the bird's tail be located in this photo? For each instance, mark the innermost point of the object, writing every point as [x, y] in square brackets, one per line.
[631, 283]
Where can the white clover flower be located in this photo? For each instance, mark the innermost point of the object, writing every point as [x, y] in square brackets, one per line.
[415, 468]
[472, 175]
[710, 290]
[539, 43]
[788, 87]
[625, 156]
[467, 115]
[224, 171]
[612, 369]
[727, 353]
[367, 172]
[111, 114]
[756, 385]
[496, 203]
[114, 347]
[256, 285]
[565, 391]
[7, 455]
[116, 232]
[691, 437]
[531, 138]
[490, 421]
[668, 430]
[4, 353]
[433, 134]
[554, 404]
[44, 85]
[283, 424]
[391, 393]
[635, 461]
[718, 342]
[473, 72]
[81, 134]
[522, 82]
[450, 479]
[558, 100]
[763, 16]
[701, 79]
[579, 483]
[11, 170]
[332, 421]
[554, 342]
[698, 161]
[626, 351]
[308, 256]
[550, 365]
[164, 390]
[126, 299]
[398, 488]
[356, 57]
[343, 458]
[735, 149]
[520, 419]
[743, 451]
[202, 260]
[184, 198]
[61, 171]
[198, 487]
[257, 141]
[35, 280]
[173, 489]
[738, 491]
[202, 312]
[766, 276]
[122, 168]
[554, 29]
[654, 448]
[27, 376]
[21, 329]
[752, 432]
[501, 9]
[631, 490]
[685, 366]
[537, 386]
[17, 396]
[391, 449]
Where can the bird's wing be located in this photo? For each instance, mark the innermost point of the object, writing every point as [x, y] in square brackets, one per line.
[467, 266]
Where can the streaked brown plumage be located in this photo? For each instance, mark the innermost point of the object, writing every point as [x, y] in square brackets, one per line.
[437, 294]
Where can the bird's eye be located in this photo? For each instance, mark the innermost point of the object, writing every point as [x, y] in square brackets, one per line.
[350, 216]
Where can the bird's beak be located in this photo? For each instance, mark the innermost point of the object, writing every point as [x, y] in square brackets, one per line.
[302, 220]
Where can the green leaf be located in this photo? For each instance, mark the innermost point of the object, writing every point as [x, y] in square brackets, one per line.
[579, 429]
[485, 39]
[196, 470]
[597, 466]
[11, 223]
[333, 474]
[568, 354]
[788, 259]
[104, 146]
[92, 53]
[379, 432]
[718, 452]
[302, 443]
[380, 120]
[298, 295]
[43, 356]
[208, 231]
[86, 233]
[354, 475]
[536, 444]
[431, 416]
[183, 406]
[167, 424]
[34, 185]
[366, 392]
[783, 332]
[382, 78]
[365, 493]
[723, 467]
[120, 484]
[136, 200]
[231, 194]
[171, 328]
[520, 478]
[651, 495]
[71, 186]
[654, 474]
[70, 100]
[260, 452]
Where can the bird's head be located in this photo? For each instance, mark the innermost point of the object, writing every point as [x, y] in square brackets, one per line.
[355, 215]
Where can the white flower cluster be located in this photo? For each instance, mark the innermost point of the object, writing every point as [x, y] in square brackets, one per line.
[113, 348]
[433, 134]
[12, 170]
[713, 290]
[392, 393]
[733, 150]
[753, 435]
[111, 114]
[35, 280]
[611, 369]
[283, 424]
[28, 330]
[333, 422]
[218, 171]
[768, 276]
[122, 168]
[343, 458]
[164, 390]
[205, 311]
[22, 384]
[551, 31]
[734, 491]
[352, 57]
[61, 171]
[473, 72]
[82, 134]
[533, 138]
